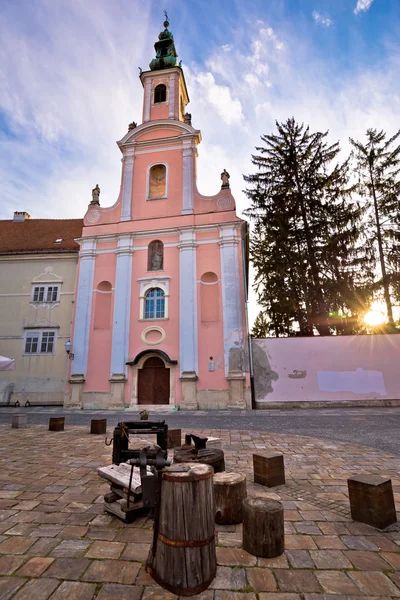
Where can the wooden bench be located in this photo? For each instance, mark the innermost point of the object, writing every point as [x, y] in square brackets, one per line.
[116, 502]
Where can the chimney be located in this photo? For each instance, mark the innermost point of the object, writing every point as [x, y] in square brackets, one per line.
[20, 216]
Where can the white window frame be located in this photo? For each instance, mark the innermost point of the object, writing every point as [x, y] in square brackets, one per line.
[146, 283]
[46, 287]
[39, 333]
[158, 162]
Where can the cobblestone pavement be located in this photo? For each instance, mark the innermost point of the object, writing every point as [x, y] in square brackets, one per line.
[376, 427]
[56, 542]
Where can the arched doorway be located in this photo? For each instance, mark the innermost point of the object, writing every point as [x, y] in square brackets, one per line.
[153, 382]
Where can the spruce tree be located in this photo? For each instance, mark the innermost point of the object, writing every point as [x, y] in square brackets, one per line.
[378, 167]
[307, 234]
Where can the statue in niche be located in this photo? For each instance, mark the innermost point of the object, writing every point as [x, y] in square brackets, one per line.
[225, 179]
[96, 195]
[156, 259]
[187, 117]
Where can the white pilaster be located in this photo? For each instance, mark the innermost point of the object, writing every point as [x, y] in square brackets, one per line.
[147, 100]
[231, 300]
[83, 313]
[172, 97]
[122, 306]
[188, 303]
[126, 210]
[187, 182]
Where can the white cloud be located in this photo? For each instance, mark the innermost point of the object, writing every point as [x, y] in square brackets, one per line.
[362, 6]
[321, 20]
[221, 98]
[227, 47]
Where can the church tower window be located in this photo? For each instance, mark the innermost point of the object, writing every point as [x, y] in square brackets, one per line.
[155, 256]
[157, 182]
[160, 94]
[154, 304]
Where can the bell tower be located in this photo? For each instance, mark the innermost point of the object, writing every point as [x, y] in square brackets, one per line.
[165, 92]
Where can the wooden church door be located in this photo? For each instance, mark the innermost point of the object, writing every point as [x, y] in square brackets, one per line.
[153, 383]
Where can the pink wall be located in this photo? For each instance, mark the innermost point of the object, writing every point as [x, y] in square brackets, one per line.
[327, 368]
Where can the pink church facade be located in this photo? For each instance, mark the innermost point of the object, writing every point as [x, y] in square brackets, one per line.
[160, 314]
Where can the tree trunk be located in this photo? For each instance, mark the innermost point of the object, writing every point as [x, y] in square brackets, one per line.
[263, 527]
[230, 491]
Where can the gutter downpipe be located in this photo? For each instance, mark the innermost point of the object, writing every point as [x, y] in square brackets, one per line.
[250, 348]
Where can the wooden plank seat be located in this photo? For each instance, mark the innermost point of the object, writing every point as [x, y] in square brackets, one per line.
[116, 502]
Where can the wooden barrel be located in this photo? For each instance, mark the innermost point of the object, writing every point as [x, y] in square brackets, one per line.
[230, 491]
[98, 426]
[56, 423]
[263, 527]
[182, 558]
[207, 456]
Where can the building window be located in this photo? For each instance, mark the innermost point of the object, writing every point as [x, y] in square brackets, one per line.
[154, 307]
[160, 94]
[157, 181]
[40, 342]
[45, 293]
[155, 256]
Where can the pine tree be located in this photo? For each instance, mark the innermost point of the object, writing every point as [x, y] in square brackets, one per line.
[378, 166]
[306, 243]
[261, 326]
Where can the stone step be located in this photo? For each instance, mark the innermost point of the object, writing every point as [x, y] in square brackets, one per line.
[151, 408]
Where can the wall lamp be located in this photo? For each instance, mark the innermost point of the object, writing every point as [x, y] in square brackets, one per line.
[68, 348]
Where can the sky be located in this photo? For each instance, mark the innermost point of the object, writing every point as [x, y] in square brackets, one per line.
[69, 86]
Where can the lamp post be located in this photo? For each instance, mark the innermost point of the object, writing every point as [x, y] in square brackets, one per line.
[68, 348]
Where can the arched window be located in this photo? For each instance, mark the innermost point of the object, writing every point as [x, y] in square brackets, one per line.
[102, 307]
[209, 297]
[154, 307]
[160, 94]
[155, 256]
[158, 181]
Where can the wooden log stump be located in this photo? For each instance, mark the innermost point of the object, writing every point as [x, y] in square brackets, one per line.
[174, 438]
[230, 491]
[213, 457]
[98, 426]
[263, 527]
[19, 421]
[182, 558]
[269, 469]
[56, 423]
[372, 501]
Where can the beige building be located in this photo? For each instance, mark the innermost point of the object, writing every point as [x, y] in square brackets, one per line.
[38, 261]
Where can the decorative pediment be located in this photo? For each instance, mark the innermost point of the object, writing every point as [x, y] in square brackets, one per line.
[47, 277]
[176, 127]
[42, 323]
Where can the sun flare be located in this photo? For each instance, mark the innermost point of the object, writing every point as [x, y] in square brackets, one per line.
[374, 317]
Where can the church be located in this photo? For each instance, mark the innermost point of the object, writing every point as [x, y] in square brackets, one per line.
[160, 307]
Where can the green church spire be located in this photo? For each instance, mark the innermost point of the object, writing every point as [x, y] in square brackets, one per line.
[166, 56]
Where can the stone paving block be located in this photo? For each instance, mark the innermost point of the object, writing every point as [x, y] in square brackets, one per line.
[367, 561]
[221, 595]
[329, 542]
[105, 550]
[50, 531]
[233, 557]
[393, 559]
[138, 552]
[21, 529]
[37, 589]
[34, 567]
[374, 583]
[43, 546]
[74, 590]
[278, 596]
[157, 593]
[297, 581]
[72, 532]
[359, 542]
[261, 580]
[67, 568]
[308, 528]
[279, 562]
[144, 578]
[16, 545]
[330, 559]
[229, 579]
[115, 591]
[142, 536]
[9, 585]
[300, 559]
[10, 563]
[112, 571]
[336, 582]
[299, 542]
[70, 548]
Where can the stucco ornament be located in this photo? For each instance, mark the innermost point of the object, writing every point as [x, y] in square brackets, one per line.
[93, 216]
[96, 195]
[224, 203]
[225, 179]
